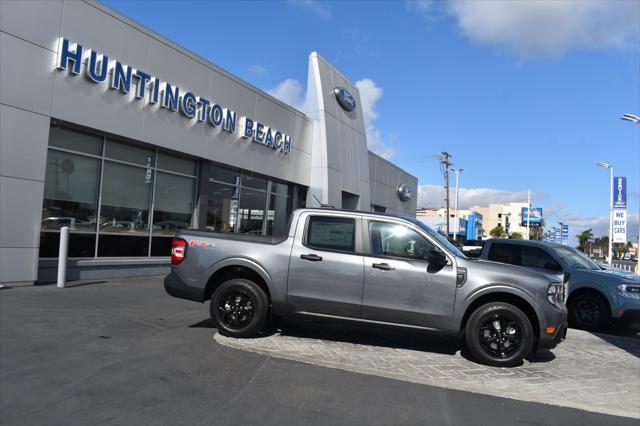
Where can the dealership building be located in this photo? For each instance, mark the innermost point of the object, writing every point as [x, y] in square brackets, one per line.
[123, 136]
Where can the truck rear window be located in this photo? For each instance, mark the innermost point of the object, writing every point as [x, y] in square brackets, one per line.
[331, 233]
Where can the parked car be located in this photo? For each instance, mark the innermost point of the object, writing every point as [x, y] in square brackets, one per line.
[595, 294]
[373, 269]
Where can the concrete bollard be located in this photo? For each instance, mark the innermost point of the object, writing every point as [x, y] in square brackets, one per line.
[62, 256]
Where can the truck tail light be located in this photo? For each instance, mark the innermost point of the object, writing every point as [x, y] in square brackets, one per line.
[178, 251]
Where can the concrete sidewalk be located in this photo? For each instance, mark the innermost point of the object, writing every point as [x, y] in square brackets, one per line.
[124, 353]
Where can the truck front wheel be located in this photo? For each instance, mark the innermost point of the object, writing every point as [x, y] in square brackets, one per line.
[240, 308]
[499, 334]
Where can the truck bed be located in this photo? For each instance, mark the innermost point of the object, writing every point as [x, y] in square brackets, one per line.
[260, 239]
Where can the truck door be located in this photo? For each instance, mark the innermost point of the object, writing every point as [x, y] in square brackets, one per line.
[400, 285]
[326, 265]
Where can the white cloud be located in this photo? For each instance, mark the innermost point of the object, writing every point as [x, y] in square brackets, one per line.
[316, 7]
[433, 196]
[538, 27]
[290, 92]
[370, 94]
[257, 69]
[533, 27]
[422, 6]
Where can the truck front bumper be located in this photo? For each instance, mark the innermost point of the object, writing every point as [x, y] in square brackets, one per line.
[557, 318]
[177, 288]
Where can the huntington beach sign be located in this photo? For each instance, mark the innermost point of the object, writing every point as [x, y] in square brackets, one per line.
[100, 69]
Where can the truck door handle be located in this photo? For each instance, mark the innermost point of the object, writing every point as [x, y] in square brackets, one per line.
[312, 257]
[383, 266]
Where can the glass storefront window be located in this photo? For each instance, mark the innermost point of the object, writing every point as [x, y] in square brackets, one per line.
[173, 203]
[73, 140]
[254, 182]
[176, 164]
[221, 174]
[130, 153]
[70, 191]
[251, 211]
[277, 215]
[279, 188]
[222, 207]
[126, 195]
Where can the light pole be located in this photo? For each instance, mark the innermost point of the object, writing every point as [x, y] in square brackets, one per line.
[457, 222]
[635, 119]
[610, 167]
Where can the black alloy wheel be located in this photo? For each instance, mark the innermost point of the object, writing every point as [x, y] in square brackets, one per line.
[240, 308]
[588, 312]
[236, 309]
[499, 334]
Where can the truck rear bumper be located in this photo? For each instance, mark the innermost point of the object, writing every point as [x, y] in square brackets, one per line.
[177, 288]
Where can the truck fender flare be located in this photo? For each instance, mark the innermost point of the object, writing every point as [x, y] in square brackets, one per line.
[607, 293]
[239, 261]
[496, 288]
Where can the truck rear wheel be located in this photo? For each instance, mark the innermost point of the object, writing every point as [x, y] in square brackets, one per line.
[499, 334]
[240, 308]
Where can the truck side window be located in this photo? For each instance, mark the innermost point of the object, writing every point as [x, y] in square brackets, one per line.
[506, 253]
[539, 258]
[331, 233]
[391, 239]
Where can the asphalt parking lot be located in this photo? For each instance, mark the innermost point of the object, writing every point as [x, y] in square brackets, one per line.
[122, 352]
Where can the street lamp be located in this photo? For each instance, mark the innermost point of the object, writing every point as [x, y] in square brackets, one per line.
[455, 234]
[610, 167]
[635, 119]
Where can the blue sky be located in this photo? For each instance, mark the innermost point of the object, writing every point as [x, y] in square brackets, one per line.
[523, 94]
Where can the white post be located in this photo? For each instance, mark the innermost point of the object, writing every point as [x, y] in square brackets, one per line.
[528, 213]
[62, 256]
[610, 254]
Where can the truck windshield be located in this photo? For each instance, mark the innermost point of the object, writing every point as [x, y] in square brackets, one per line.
[574, 258]
[440, 238]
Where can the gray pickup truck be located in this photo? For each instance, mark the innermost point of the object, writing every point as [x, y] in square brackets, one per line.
[373, 269]
[595, 294]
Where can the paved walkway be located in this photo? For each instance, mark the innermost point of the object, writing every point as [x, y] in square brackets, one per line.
[599, 373]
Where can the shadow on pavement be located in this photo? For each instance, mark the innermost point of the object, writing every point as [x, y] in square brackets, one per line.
[370, 335]
[625, 336]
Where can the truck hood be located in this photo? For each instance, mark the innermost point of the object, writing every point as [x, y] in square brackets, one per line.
[617, 275]
[501, 269]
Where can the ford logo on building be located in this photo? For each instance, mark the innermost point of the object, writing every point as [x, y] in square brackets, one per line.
[404, 192]
[345, 99]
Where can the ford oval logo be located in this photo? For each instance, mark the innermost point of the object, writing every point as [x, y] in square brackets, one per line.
[404, 192]
[345, 99]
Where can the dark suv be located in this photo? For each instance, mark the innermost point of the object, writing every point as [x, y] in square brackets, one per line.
[595, 294]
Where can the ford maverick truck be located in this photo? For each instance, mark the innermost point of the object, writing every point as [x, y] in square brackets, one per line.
[370, 268]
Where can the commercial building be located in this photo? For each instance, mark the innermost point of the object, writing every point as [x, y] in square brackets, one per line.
[123, 136]
[465, 225]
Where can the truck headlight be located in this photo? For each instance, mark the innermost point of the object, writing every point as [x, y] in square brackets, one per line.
[555, 293]
[629, 290]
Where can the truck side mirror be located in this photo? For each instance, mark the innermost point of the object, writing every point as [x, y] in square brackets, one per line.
[436, 258]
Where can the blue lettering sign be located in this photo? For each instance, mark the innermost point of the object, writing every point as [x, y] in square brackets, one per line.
[98, 67]
[143, 79]
[215, 115]
[620, 192]
[170, 97]
[67, 55]
[100, 76]
[121, 77]
[188, 105]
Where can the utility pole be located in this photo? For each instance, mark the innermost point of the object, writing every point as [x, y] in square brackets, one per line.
[457, 222]
[444, 159]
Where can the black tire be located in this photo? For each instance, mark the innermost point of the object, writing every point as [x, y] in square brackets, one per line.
[502, 345]
[588, 311]
[239, 308]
